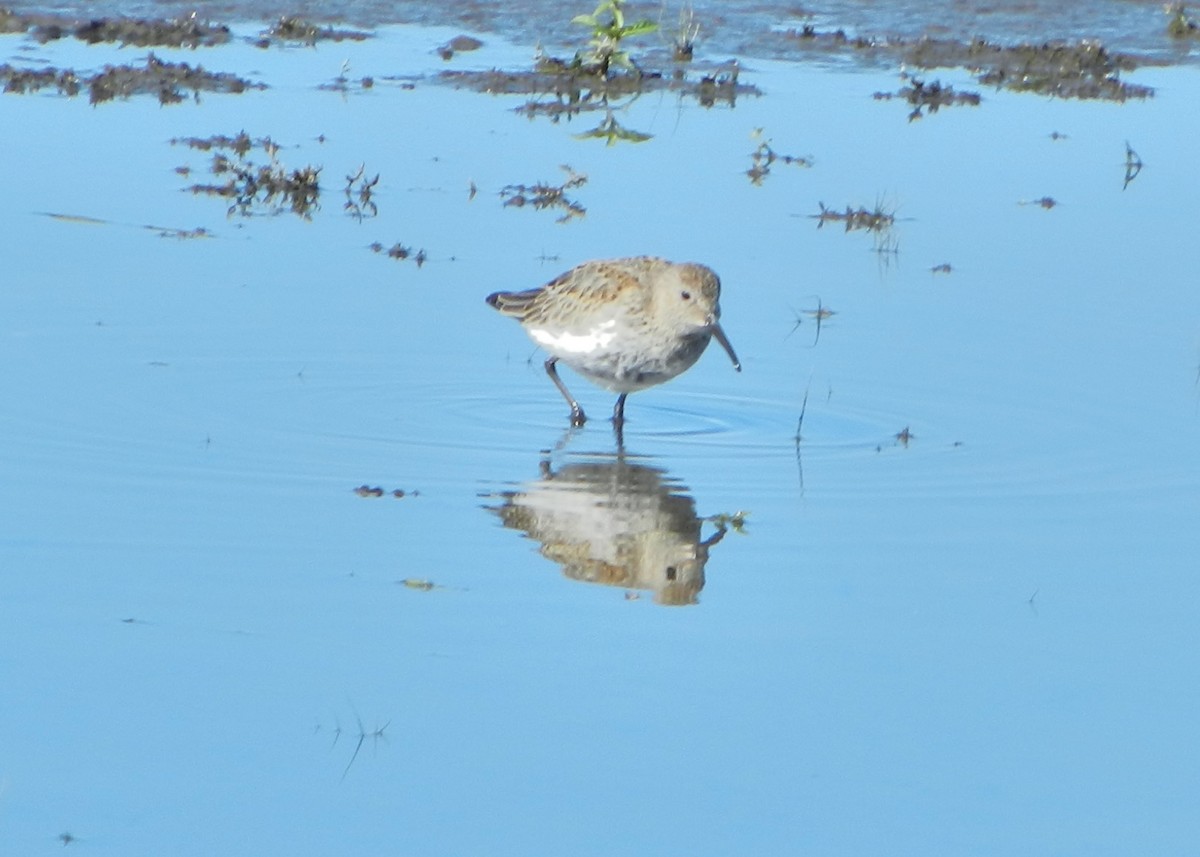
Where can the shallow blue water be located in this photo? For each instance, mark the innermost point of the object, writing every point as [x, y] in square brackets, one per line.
[982, 642]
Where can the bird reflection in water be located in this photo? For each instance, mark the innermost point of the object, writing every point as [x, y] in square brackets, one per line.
[610, 520]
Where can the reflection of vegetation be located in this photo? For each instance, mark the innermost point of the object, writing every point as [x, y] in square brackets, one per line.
[558, 89]
[929, 97]
[1133, 165]
[609, 29]
[764, 156]
[359, 203]
[376, 735]
[545, 195]
[820, 315]
[256, 189]
[735, 521]
[612, 132]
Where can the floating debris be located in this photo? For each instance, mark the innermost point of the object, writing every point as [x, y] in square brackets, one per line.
[417, 583]
[929, 97]
[400, 252]
[545, 195]
[239, 145]
[876, 220]
[163, 231]
[764, 156]
[943, 268]
[376, 491]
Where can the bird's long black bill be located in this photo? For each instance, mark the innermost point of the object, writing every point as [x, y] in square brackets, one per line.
[720, 335]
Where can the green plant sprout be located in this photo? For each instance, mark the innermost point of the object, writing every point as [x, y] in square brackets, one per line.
[608, 28]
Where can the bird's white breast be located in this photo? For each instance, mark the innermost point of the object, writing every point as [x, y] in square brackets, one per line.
[563, 342]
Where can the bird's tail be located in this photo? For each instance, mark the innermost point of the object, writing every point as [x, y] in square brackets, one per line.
[515, 304]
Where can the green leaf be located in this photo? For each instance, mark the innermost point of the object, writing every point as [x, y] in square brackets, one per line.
[586, 21]
[639, 28]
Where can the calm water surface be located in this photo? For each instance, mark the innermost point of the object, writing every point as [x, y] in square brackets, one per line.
[981, 641]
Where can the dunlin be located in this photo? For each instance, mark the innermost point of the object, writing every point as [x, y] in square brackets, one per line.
[624, 324]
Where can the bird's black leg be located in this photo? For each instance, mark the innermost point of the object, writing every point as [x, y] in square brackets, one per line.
[578, 417]
[619, 411]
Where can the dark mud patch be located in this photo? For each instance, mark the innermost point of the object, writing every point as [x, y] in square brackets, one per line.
[1085, 70]
[290, 29]
[170, 82]
[254, 189]
[929, 97]
[187, 32]
[459, 44]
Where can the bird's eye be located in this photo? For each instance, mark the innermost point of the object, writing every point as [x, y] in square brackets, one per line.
[687, 296]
